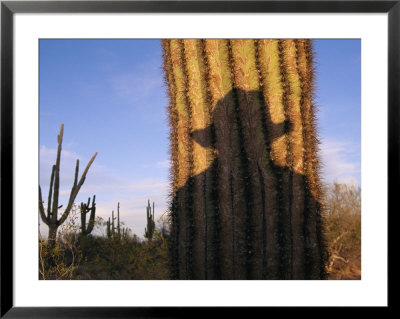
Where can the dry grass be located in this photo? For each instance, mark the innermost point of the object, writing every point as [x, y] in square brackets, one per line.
[343, 231]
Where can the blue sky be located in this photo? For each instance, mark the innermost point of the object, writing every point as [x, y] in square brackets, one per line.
[338, 96]
[111, 97]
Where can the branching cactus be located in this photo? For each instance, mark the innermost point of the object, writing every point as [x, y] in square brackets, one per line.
[114, 231]
[50, 218]
[245, 201]
[86, 208]
[149, 230]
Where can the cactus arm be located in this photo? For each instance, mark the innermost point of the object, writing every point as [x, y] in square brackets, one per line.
[50, 192]
[91, 220]
[92, 216]
[112, 226]
[41, 208]
[57, 175]
[118, 226]
[75, 191]
[75, 177]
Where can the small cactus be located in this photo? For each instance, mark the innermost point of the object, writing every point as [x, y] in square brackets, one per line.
[149, 230]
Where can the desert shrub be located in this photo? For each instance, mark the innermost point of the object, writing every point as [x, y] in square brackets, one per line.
[343, 230]
[53, 264]
[61, 260]
[128, 258]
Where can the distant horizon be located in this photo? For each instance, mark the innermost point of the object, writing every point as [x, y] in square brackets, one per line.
[111, 97]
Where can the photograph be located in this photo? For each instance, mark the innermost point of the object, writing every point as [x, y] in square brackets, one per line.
[199, 159]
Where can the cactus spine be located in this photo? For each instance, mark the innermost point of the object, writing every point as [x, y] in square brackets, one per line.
[245, 192]
[85, 208]
[149, 230]
[51, 218]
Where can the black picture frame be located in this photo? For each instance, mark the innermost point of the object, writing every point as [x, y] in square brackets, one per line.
[9, 8]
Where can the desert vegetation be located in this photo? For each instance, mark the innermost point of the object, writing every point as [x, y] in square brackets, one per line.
[71, 251]
[77, 256]
[343, 231]
[133, 258]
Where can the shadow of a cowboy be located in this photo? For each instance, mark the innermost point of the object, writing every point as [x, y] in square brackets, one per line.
[255, 228]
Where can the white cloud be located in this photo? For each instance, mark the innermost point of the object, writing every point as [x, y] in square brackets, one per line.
[338, 163]
[67, 165]
[48, 155]
[164, 164]
[136, 85]
[160, 164]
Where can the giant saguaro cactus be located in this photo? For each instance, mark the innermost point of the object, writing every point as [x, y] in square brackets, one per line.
[51, 219]
[245, 190]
